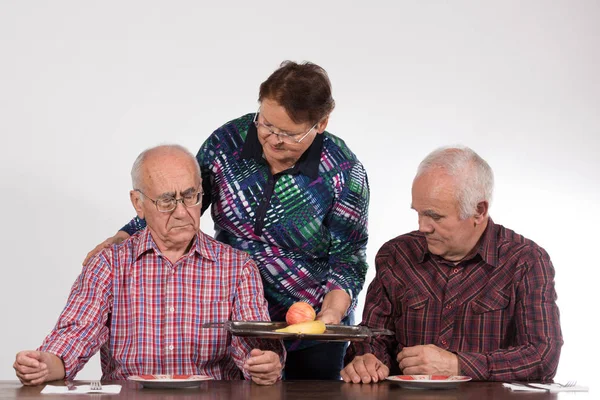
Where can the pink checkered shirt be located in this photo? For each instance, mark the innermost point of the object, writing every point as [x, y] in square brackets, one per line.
[145, 314]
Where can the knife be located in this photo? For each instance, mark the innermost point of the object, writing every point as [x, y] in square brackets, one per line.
[384, 332]
[214, 325]
[526, 386]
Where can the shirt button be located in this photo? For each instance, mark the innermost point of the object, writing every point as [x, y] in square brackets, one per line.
[455, 270]
[449, 306]
[172, 309]
[171, 347]
[443, 342]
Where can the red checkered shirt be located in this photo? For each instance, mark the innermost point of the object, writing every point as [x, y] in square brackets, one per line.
[496, 310]
[145, 314]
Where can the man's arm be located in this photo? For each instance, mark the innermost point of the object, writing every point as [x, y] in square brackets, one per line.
[81, 328]
[347, 224]
[259, 360]
[378, 314]
[538, 332]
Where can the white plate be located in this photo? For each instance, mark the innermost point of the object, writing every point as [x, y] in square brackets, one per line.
[169, 381]
[428, 381]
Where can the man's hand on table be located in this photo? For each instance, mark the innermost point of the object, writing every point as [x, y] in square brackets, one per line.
[36, 367]
[263, 366]
[427, 360]
[366, 369]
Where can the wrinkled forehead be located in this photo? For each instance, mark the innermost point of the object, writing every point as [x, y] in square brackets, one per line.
[170, 175]
[434, 188]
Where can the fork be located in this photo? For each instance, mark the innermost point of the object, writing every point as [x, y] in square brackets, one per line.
[568, 384]
[95, 386]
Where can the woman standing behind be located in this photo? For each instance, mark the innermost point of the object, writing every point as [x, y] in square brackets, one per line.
[295, 198]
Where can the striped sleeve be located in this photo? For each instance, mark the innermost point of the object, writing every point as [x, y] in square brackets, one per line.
[81, 328]
[347, 223]
[378, 314]
[133, 226]
[250, 305]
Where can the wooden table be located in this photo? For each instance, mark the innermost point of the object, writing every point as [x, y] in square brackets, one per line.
[292, 390]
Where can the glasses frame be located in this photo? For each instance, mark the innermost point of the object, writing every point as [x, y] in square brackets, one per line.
[181, 200]
[281, 136]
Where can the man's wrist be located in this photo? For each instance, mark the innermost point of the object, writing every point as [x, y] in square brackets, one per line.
[456, 362]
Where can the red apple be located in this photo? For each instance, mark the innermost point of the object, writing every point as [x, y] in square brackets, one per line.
[300, 312]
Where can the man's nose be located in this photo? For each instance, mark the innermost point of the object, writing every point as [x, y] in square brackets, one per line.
[180, 208]
[425, 225]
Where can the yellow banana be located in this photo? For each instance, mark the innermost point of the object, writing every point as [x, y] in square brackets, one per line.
[312, 327]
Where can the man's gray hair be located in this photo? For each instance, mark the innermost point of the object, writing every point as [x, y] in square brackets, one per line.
[474, 177]
[138, 164]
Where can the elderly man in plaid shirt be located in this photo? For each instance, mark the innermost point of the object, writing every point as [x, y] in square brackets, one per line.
[142, 303]
[464, 295]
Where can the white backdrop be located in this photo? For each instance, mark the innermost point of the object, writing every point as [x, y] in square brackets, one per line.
[85, 86]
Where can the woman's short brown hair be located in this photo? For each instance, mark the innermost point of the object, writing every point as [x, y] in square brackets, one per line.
[304, 90]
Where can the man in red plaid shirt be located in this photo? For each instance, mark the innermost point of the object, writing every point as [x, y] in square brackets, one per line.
[465, 296]
[142, 303]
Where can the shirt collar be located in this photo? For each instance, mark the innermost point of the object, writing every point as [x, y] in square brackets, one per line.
[307, 164]
[424, 251]
[487, 246]
[201, 246]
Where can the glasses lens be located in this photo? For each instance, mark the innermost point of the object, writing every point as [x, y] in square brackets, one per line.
[192, 200]
[284, 137]
[263, 129]
[287, 138]
[165, 205]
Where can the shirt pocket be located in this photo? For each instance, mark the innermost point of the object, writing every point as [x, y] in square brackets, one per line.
[415, 323]
[490, 301]
[489, 324]
[210, 344]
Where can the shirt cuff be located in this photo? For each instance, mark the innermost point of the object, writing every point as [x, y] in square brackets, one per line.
[66, 353]
[474, 365]
[276, 346]
[330, 286]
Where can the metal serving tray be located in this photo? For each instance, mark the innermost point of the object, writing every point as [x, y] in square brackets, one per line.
[266, 330]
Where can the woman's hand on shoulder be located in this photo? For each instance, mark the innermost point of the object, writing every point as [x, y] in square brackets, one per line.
[119, 237]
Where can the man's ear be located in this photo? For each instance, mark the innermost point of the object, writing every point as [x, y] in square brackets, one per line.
[136, 200]
[481, 212]
[322, 124]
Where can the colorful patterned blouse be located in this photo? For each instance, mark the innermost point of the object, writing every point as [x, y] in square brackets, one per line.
[305, 227]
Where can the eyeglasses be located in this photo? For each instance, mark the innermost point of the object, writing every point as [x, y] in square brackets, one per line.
[169, 204]
[285, 137]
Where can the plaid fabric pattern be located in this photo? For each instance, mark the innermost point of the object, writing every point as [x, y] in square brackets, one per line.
[145, 314]
[496, 310]
[306, 227]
